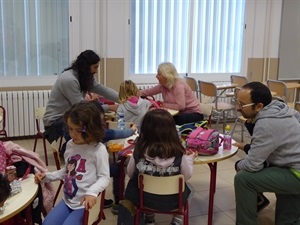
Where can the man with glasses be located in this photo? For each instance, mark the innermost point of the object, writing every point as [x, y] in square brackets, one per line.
[272, 163]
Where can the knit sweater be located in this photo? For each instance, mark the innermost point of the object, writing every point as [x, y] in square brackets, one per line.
[179, 97]
[66, 92]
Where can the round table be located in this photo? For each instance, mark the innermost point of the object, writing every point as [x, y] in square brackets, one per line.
[16, 203]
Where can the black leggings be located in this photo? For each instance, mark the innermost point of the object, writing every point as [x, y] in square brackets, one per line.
[183, 118]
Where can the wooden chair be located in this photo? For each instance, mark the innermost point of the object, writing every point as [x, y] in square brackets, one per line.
[235, 79]
[240, 120]
[114, 124]
[280, 88]
[220, 109]
[3, 122]
[193, 85]
[162, 186]
[39, 114]
[93, 216]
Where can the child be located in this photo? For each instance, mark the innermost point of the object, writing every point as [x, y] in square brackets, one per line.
[131, 105]
[111, 134]
[87, 167]
[159, 152]
[5, 190]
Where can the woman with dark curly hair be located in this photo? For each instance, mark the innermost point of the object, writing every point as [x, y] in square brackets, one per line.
[5, 189]
[70, 88]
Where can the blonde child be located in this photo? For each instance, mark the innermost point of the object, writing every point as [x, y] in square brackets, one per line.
[131, 104]
[159, 152]
[87, 167]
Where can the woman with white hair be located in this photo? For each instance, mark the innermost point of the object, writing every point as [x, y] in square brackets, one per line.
[176, 94]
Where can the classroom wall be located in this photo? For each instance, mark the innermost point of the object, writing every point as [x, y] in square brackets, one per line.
[103, 26]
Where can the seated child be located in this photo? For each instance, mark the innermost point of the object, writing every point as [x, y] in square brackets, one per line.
[86, 173]
[158, 152]
[131, 104]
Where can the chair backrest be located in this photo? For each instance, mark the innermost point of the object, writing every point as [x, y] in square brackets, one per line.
[114, 124]
[55, 151]
[39, 113]
[240, 80]
[208, 89]
[207, 111]
[154, 184]
[193, 84]
[279, 87]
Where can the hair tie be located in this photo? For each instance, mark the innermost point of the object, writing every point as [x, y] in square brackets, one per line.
[83, 129]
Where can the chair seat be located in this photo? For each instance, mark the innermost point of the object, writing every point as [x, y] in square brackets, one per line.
[222, 106]
[230, 94]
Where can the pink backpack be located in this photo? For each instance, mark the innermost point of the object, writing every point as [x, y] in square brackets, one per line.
[204, 141]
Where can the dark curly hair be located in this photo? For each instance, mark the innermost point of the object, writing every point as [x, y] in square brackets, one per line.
[5, 188]
[82, 65]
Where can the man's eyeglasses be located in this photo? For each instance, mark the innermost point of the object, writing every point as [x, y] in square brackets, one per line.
[241, 105]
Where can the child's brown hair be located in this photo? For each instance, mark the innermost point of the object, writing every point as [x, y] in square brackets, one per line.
[87, 115]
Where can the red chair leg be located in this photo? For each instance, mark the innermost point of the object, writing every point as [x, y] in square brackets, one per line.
[45, 151]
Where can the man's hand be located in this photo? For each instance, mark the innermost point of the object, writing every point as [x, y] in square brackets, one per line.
[239, 145]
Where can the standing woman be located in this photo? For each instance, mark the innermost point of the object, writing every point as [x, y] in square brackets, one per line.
[70, 88]
[176, 94]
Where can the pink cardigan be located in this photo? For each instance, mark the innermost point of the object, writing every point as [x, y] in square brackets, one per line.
[179, 97]
[19, 153]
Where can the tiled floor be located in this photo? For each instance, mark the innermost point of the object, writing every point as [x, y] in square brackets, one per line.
[224, 203]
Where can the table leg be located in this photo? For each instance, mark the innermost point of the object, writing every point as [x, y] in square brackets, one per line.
[122, 177]
[28, 214]
[212, 190]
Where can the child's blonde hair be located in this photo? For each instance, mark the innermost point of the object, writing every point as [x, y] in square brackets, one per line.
[127, 90]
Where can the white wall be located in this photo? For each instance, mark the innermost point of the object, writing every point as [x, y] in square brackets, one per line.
[102, 25]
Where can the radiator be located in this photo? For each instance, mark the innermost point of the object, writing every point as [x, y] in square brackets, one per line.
[20, 105]
[146, 86]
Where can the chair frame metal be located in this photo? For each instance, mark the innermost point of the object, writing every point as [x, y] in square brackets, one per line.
[209, 89]
[3, 131]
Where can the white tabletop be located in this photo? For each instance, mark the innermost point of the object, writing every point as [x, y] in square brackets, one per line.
[20, 201]
[220, 156]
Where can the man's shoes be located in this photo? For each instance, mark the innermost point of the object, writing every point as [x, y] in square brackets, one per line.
[262, 202]
[108, 203]
[115, 209]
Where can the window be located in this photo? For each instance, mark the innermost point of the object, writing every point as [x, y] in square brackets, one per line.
[34, 37]
[200, 36]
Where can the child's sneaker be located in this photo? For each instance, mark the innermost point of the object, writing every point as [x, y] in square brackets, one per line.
[108, 203]
[176, 221]
[115, 209]
[149, 219]
[147, 222]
